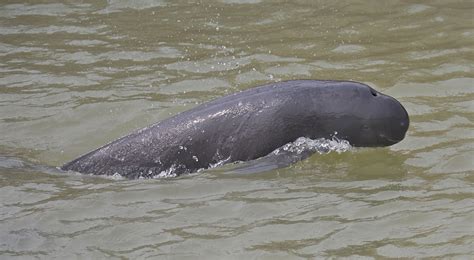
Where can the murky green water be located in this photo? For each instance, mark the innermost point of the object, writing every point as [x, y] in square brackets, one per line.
[74, 76]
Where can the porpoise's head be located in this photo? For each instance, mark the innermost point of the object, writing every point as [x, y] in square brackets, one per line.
[363, 116]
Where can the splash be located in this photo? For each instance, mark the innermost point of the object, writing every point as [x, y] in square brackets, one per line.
[116, 176]
[168, 173]
[171, 172]
[219, 163]
[320, 145]
[297, 150]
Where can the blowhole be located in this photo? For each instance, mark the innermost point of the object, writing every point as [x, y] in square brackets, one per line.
[374, 93]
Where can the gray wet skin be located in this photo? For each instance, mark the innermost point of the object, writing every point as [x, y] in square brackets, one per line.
[251, 124]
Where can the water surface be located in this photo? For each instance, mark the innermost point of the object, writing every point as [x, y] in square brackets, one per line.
[74, 76]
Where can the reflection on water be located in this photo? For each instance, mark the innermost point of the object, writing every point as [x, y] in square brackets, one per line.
[77, 75]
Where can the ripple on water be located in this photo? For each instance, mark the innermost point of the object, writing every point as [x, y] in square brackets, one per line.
[348, 48]
[52, 29]
[114, 6]
[241, 1]
[450, 87]
[56, 9]
[184, 86]
[417, 8]
[84, 57]
[292, 69]
[226, 63]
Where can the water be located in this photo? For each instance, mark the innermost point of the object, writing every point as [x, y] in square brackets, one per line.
[75, 76]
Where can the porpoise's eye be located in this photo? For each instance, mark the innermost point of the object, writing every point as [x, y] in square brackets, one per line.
[374, 93]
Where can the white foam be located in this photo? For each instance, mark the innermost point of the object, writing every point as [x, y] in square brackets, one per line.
[168, 173]
[219, 163]
[321, 146]
[299, 146]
